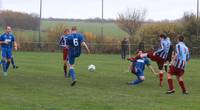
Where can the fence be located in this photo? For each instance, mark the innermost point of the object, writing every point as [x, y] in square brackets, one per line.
[96, 48]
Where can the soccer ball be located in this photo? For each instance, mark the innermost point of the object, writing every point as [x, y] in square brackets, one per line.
[91, 68]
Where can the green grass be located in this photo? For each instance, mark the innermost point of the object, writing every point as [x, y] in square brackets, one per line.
[39, 85]
[110, 29]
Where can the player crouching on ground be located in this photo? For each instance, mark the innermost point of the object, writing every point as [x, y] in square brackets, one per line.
[137, 67]
[178, 66]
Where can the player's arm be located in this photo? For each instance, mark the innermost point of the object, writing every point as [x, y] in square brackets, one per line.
[86, 47]
[160, 49]
[15, 45]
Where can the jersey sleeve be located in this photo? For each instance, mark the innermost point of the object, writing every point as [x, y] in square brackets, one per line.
[82, 39]
[1, 38]
[62, 41]
[147, 62]
[13, 38]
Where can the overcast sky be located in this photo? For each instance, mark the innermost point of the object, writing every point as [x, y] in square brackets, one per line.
[156, 9]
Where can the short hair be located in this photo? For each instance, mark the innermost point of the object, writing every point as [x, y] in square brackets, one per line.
[6, 27]
[181, 38]
[163, 36]
[66, 30]
[74, 28]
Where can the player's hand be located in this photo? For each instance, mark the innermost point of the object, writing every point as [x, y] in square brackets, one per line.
[15, 48]
[5, 42]
[154, 53]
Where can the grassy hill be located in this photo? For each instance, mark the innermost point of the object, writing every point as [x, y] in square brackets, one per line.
[110, 29]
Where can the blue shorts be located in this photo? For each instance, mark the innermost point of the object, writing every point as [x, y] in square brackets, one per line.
[71, 59]
[139, 72]
[6, 53]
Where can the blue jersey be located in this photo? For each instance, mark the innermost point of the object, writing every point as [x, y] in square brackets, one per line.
[164, 48]
[182, 55]
[140, 63]
[7, 38]
[74, 42]
[62, 41]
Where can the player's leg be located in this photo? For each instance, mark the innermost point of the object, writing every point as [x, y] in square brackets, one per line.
[13, 63]
[65, 62]
[4, 56]
[140, 78]
[181, 83]
[9, 57]
[71, 70]
[160, 67]
[170, 82]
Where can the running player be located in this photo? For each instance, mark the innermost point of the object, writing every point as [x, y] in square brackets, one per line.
[65, 50]
[178, 66]
[137, 67]
[74, 41]
[7, 41]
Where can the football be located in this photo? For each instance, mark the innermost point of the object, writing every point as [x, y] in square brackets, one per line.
[91, 68]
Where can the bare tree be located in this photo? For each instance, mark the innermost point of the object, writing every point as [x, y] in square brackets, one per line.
[130, 21]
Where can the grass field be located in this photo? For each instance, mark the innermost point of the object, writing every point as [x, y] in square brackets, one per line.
[39, 85]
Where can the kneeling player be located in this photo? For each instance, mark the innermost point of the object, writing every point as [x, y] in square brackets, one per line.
[137, 67]
[160, 55]
[178, 66]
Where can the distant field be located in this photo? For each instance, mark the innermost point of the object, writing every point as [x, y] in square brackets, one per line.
[39, 85]
[110, 29]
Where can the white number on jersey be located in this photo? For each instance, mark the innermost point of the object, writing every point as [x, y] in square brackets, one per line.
[75, 41]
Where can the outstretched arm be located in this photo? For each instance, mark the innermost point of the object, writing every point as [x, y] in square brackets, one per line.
[86, 47]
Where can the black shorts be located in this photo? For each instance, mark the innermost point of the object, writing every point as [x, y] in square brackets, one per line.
[169, 56]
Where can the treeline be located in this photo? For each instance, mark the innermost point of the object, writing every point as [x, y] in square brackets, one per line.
[19, 20]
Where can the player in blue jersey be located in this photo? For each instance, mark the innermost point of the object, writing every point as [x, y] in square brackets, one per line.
[160, 55]
[137, 67]
[178, 66]
[7, 41]
[74, 41]
[62, 43]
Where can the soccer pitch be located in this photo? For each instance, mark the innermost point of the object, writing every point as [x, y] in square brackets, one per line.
[39, 84]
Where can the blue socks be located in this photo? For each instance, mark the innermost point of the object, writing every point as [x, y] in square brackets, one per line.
[137, 81]
[72, 74]
[12, 61]
[4, 64]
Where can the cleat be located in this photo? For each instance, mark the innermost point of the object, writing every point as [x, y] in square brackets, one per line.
[15, 67]
[73, 83]
[129, 83]
[170, 91]
[185, 92]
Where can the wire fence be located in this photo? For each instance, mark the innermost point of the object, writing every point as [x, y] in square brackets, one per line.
[96, 48]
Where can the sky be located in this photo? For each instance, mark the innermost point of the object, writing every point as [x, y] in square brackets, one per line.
[82, 9]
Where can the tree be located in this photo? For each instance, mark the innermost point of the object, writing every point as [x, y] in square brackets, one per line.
[130, 21]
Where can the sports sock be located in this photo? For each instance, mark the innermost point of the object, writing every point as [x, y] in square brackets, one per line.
[12, 62]
[181, 83]
[4, 66]
[7, 65]
[170, 84]
[161, 78]
[72, 74]
[65, 69]
[137, 81]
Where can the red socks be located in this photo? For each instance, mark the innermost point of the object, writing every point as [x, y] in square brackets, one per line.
[170, 84]
[181, 83]
[161, 79]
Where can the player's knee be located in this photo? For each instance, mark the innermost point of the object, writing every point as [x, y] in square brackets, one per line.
[142, 78]
[179, 78]
[169, 76]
